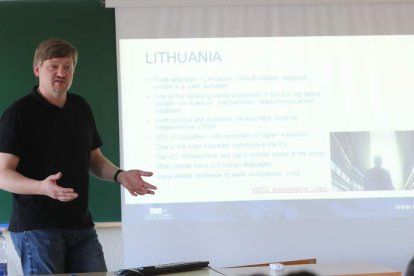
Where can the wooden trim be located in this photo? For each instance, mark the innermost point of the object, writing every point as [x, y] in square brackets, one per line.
[294, 262]
[373, 274]
[297, 262]
[114, 224]
[108, 224]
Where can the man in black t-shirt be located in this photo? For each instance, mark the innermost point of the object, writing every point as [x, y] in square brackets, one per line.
[48, 146]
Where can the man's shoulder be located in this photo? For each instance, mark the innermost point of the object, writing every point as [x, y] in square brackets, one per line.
[21, 103]
[78, 99]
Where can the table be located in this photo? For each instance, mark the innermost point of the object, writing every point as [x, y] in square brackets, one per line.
[332, 269]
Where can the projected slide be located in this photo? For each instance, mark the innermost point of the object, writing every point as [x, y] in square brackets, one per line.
[248, 119]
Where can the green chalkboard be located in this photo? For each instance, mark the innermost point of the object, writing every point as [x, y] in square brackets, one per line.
[91, 28]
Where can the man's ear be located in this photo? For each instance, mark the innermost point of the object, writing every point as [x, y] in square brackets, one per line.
[36, 71]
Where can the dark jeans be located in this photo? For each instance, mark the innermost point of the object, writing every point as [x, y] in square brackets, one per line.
[48, 251]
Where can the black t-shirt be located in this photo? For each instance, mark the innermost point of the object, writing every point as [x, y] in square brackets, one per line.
[48, 140]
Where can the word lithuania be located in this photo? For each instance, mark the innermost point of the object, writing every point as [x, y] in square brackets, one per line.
[183, 57]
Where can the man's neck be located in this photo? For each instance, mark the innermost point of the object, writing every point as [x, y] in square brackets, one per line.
[53, 98]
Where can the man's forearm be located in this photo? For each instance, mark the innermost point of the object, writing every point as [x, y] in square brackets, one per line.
[101, 167]
[14, 182]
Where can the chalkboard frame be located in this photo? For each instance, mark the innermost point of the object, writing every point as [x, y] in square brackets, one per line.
[91, 28]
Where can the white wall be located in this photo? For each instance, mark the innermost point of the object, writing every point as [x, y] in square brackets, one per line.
[111, 239]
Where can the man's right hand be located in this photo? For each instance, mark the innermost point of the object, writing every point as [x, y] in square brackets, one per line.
[50, 188]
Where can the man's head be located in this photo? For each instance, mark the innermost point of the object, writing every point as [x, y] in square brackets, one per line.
[377, 161]
[54, 48]
[54, 65]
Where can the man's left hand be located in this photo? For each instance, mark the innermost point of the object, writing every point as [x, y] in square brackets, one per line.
[133, 182]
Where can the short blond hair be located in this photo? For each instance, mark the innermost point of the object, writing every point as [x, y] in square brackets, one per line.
[54, 48]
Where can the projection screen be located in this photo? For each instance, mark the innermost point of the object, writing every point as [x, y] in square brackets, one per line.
[267, 146]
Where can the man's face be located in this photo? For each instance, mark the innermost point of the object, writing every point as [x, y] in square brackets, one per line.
[55, 76]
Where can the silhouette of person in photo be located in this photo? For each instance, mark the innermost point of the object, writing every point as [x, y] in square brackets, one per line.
[377, 178]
